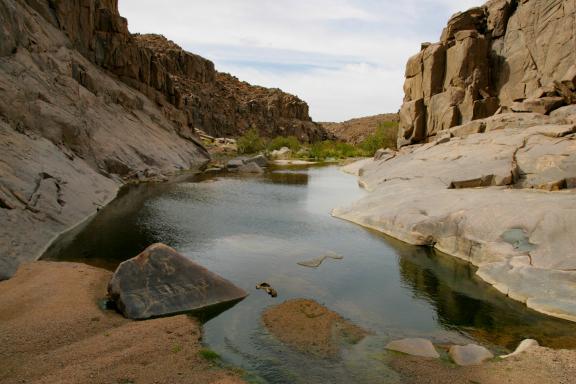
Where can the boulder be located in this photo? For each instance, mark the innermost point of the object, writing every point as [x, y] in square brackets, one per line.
[160, 282]
[415, 347]
[470, 354]
[522, 347]
[250, 167]
[259, 160]
[235, 164]
[283, 153]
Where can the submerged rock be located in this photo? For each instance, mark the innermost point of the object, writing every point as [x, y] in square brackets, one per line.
[415, 347]
[470, 354]
[311, 328]
[316, 262]
[160, 281]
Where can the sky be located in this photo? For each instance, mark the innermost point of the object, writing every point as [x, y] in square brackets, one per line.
[345, 58]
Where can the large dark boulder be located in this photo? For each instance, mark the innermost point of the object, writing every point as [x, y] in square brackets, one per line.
[160, 281]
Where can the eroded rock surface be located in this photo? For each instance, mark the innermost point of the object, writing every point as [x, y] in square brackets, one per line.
[507, 54]
[160, 282]
[503, 200]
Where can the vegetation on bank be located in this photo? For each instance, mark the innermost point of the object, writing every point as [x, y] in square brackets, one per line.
[384, 137]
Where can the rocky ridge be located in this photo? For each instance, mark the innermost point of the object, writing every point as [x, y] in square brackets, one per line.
[498, 192]
[85, 106]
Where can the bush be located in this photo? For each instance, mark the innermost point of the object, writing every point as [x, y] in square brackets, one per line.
[384, 137]
[282, 141]
[323, 150]
[250, 142]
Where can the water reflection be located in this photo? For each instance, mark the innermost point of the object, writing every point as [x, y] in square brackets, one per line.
[466, 303]
[252, 228]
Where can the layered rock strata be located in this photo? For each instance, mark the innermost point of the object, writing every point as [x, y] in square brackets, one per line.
[507, 55]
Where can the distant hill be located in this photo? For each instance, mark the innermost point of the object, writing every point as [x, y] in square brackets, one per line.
[356, 130]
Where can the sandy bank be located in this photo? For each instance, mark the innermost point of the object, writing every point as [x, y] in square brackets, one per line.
[53, 331]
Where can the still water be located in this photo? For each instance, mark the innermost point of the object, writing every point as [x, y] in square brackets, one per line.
[251, 229]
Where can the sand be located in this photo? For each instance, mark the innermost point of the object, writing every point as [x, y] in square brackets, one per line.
[310, 327]
[536, 366]
[53, 331]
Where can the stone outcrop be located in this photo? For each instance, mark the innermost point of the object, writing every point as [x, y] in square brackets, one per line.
[85, 107]
[492, 178]
[503, 200]
[160, 282]
[508, 55]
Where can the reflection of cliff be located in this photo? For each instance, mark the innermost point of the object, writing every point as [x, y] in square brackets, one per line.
[463, 301]
[288, 178]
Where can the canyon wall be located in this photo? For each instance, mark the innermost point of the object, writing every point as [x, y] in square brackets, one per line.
[85, 107]
[507, 55]
[486, 171]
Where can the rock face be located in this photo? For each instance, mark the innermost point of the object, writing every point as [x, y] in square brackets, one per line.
[516, 55]
[495, 189]
[503, 200]
[160, 281]
[86, 106]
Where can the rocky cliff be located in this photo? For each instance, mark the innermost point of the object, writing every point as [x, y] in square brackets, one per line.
[508, 55]
[496, 191]
[86, 106]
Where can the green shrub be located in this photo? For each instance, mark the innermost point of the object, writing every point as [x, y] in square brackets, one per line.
[283, 141]
[209, 354]
[323, 150]
[384, 137]
[250, 142]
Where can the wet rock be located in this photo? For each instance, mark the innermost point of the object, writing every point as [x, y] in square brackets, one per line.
[316, 262]
[522, 347]
[160, 282]
[470, 354]
[415, 347]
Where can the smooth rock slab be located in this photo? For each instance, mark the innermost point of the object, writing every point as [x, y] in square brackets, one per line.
[160, 282]
[470, 354]
[415, 347]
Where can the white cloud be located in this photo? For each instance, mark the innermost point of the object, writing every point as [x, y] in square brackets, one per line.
[344, 57]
